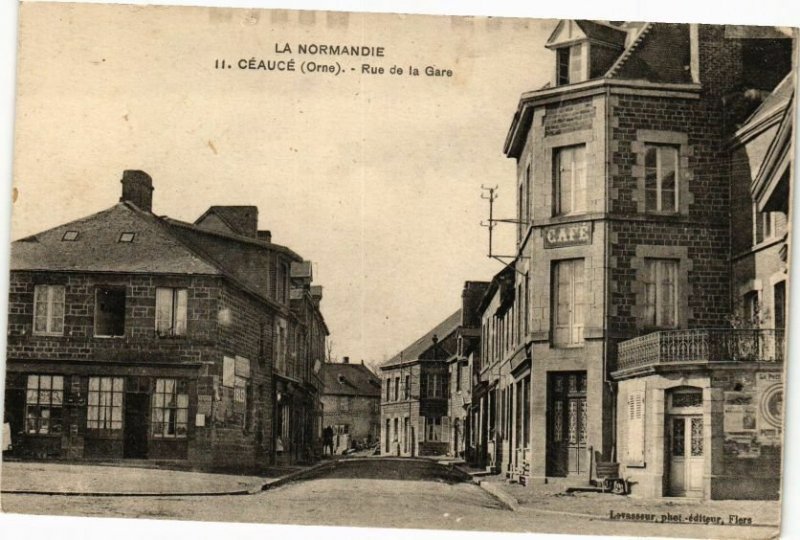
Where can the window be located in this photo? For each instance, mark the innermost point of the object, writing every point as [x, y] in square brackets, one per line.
[170, 409]
[345, 403]
[779, 299]
[569, 176]
[433, 428]
[104, 409]
[457, 369]
[751, 309]
[109, 312]
[43, 401]
[388, 383]
[70, 236]
[635, 414]
[407, 388]
[127, 237]
[661, 293]
[568, 298]
[281, 336]
[660, 178]
[48, 310]
[282, 283]
[434, 385]
[766, 226]
[569, 64]
[171, 307]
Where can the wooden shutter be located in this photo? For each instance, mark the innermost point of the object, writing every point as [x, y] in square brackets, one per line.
[635, 414]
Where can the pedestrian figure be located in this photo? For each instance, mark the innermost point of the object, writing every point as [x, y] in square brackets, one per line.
[327, 440]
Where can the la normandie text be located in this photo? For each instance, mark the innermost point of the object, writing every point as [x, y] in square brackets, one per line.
[323, 49]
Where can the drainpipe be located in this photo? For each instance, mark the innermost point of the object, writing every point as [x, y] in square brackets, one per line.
[606, 264]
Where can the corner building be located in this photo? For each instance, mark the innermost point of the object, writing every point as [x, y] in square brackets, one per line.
[624, 201]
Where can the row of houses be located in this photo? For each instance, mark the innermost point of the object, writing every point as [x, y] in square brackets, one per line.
[641, 323]
[138, 336]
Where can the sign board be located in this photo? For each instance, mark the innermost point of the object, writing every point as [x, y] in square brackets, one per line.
[568, 234]
[242, 367]
[228, 371]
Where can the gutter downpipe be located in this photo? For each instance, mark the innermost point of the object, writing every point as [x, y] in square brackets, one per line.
[606, 264]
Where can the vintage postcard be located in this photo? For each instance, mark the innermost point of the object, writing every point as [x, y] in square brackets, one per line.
[399, 271]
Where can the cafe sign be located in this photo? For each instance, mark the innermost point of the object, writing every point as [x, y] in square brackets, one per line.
[568, 234]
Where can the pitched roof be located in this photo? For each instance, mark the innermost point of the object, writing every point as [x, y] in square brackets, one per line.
[421, 345]
[659, 53]
[349, 380]
[238, 219]
[774, 103]
[97, 246]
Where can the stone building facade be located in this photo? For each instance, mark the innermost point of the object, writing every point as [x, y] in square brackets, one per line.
[133, 336]
[351, 401]
[625, 196]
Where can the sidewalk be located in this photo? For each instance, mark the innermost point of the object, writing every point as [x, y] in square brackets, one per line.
[113, 480]
[554, 499]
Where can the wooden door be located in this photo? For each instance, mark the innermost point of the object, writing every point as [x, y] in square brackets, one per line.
[567, 418]
[686, 466]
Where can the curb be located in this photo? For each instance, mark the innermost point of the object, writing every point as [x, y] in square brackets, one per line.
[508, 501]
[258, 488]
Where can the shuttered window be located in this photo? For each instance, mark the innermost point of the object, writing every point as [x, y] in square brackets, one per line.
[635, 410]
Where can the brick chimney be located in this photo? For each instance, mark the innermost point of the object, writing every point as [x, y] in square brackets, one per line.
[346, 360]
[137, 188]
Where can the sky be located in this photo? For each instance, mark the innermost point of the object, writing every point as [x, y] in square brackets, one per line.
[375, 178]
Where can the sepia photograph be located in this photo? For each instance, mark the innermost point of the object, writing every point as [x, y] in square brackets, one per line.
[398, 271]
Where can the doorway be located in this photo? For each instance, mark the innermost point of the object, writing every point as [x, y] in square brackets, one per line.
[686, 460]
[135, 433]
[567, 423]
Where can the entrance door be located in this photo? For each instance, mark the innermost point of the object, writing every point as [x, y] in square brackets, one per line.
[135, 441]
[686, 456]
[567, 419]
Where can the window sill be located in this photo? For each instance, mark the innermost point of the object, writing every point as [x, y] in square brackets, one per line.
[109, 337]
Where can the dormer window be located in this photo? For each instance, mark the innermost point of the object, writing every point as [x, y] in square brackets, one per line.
[570, 65]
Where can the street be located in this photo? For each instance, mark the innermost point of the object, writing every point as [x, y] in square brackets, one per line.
[375, 492]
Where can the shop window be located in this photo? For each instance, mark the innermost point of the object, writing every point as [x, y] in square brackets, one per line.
[568, 299]
[44, 399]
[661, 293]
[171, 308]
[109, 312]
[170, 410]
[104, 410]
[569, 178]
[661, 171]
[48, 310]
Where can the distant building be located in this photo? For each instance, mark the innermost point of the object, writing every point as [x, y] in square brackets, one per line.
[137, 336]
[351, 399]
[414, 384]
[426, 389]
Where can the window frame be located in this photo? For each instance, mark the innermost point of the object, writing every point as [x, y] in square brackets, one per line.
[174, 409]
[659, 178]
[657, 281]
[578, 203]
[108, 416]
[99, 289]
[573, 328]
[52, 420]
[178, 315]
[49, 317]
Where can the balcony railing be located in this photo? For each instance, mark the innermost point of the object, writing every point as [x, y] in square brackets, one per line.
[701, 346]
